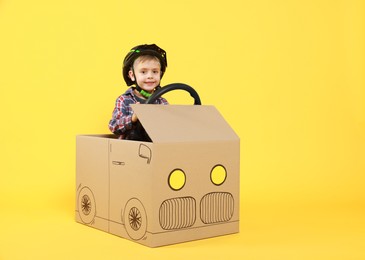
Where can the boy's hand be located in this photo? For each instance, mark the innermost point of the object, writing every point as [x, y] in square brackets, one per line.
[134, 118]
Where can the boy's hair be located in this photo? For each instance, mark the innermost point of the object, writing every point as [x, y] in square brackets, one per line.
[144, 58]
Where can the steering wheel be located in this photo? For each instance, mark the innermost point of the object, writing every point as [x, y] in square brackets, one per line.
[159, 92]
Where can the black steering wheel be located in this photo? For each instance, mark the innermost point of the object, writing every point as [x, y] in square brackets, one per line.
[159, 92]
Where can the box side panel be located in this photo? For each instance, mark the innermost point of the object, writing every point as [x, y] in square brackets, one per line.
[92, 181]
[205, 203]
[130, 167]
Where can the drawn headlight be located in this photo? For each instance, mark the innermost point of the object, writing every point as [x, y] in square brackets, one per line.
[177, 179]
[218, 175]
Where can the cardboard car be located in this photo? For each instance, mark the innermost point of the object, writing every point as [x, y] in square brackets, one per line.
[181, 186]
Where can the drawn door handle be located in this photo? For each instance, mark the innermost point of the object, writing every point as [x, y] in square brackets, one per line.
[118, 163]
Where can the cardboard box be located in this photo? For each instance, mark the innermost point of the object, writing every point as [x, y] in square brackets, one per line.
[182, 186]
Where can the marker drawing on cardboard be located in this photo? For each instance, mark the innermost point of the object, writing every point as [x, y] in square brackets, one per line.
[145, 152]
[183, 185]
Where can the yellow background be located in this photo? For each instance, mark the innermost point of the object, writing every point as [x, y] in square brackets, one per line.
[287, 75]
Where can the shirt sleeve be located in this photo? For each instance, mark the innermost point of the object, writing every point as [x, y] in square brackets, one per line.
[121, 120]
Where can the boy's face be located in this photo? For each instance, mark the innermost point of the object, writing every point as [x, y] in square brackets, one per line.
[147, 72]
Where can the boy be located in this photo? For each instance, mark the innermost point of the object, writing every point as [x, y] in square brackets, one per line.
[143, 67]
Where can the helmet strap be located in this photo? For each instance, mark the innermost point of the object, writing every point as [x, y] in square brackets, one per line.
[139, 89]
[135, 79]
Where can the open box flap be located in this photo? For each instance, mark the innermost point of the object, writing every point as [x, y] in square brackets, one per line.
[183, 123]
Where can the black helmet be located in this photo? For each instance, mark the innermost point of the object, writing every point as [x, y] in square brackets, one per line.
[145, 49]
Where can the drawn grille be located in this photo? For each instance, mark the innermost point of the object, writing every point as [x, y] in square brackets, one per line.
[178, 213]
[216, 207]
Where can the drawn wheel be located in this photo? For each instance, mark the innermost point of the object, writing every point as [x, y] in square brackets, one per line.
[86, 205]
[135, 219]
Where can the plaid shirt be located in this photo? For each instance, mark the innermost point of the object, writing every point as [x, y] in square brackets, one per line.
[121, 122]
